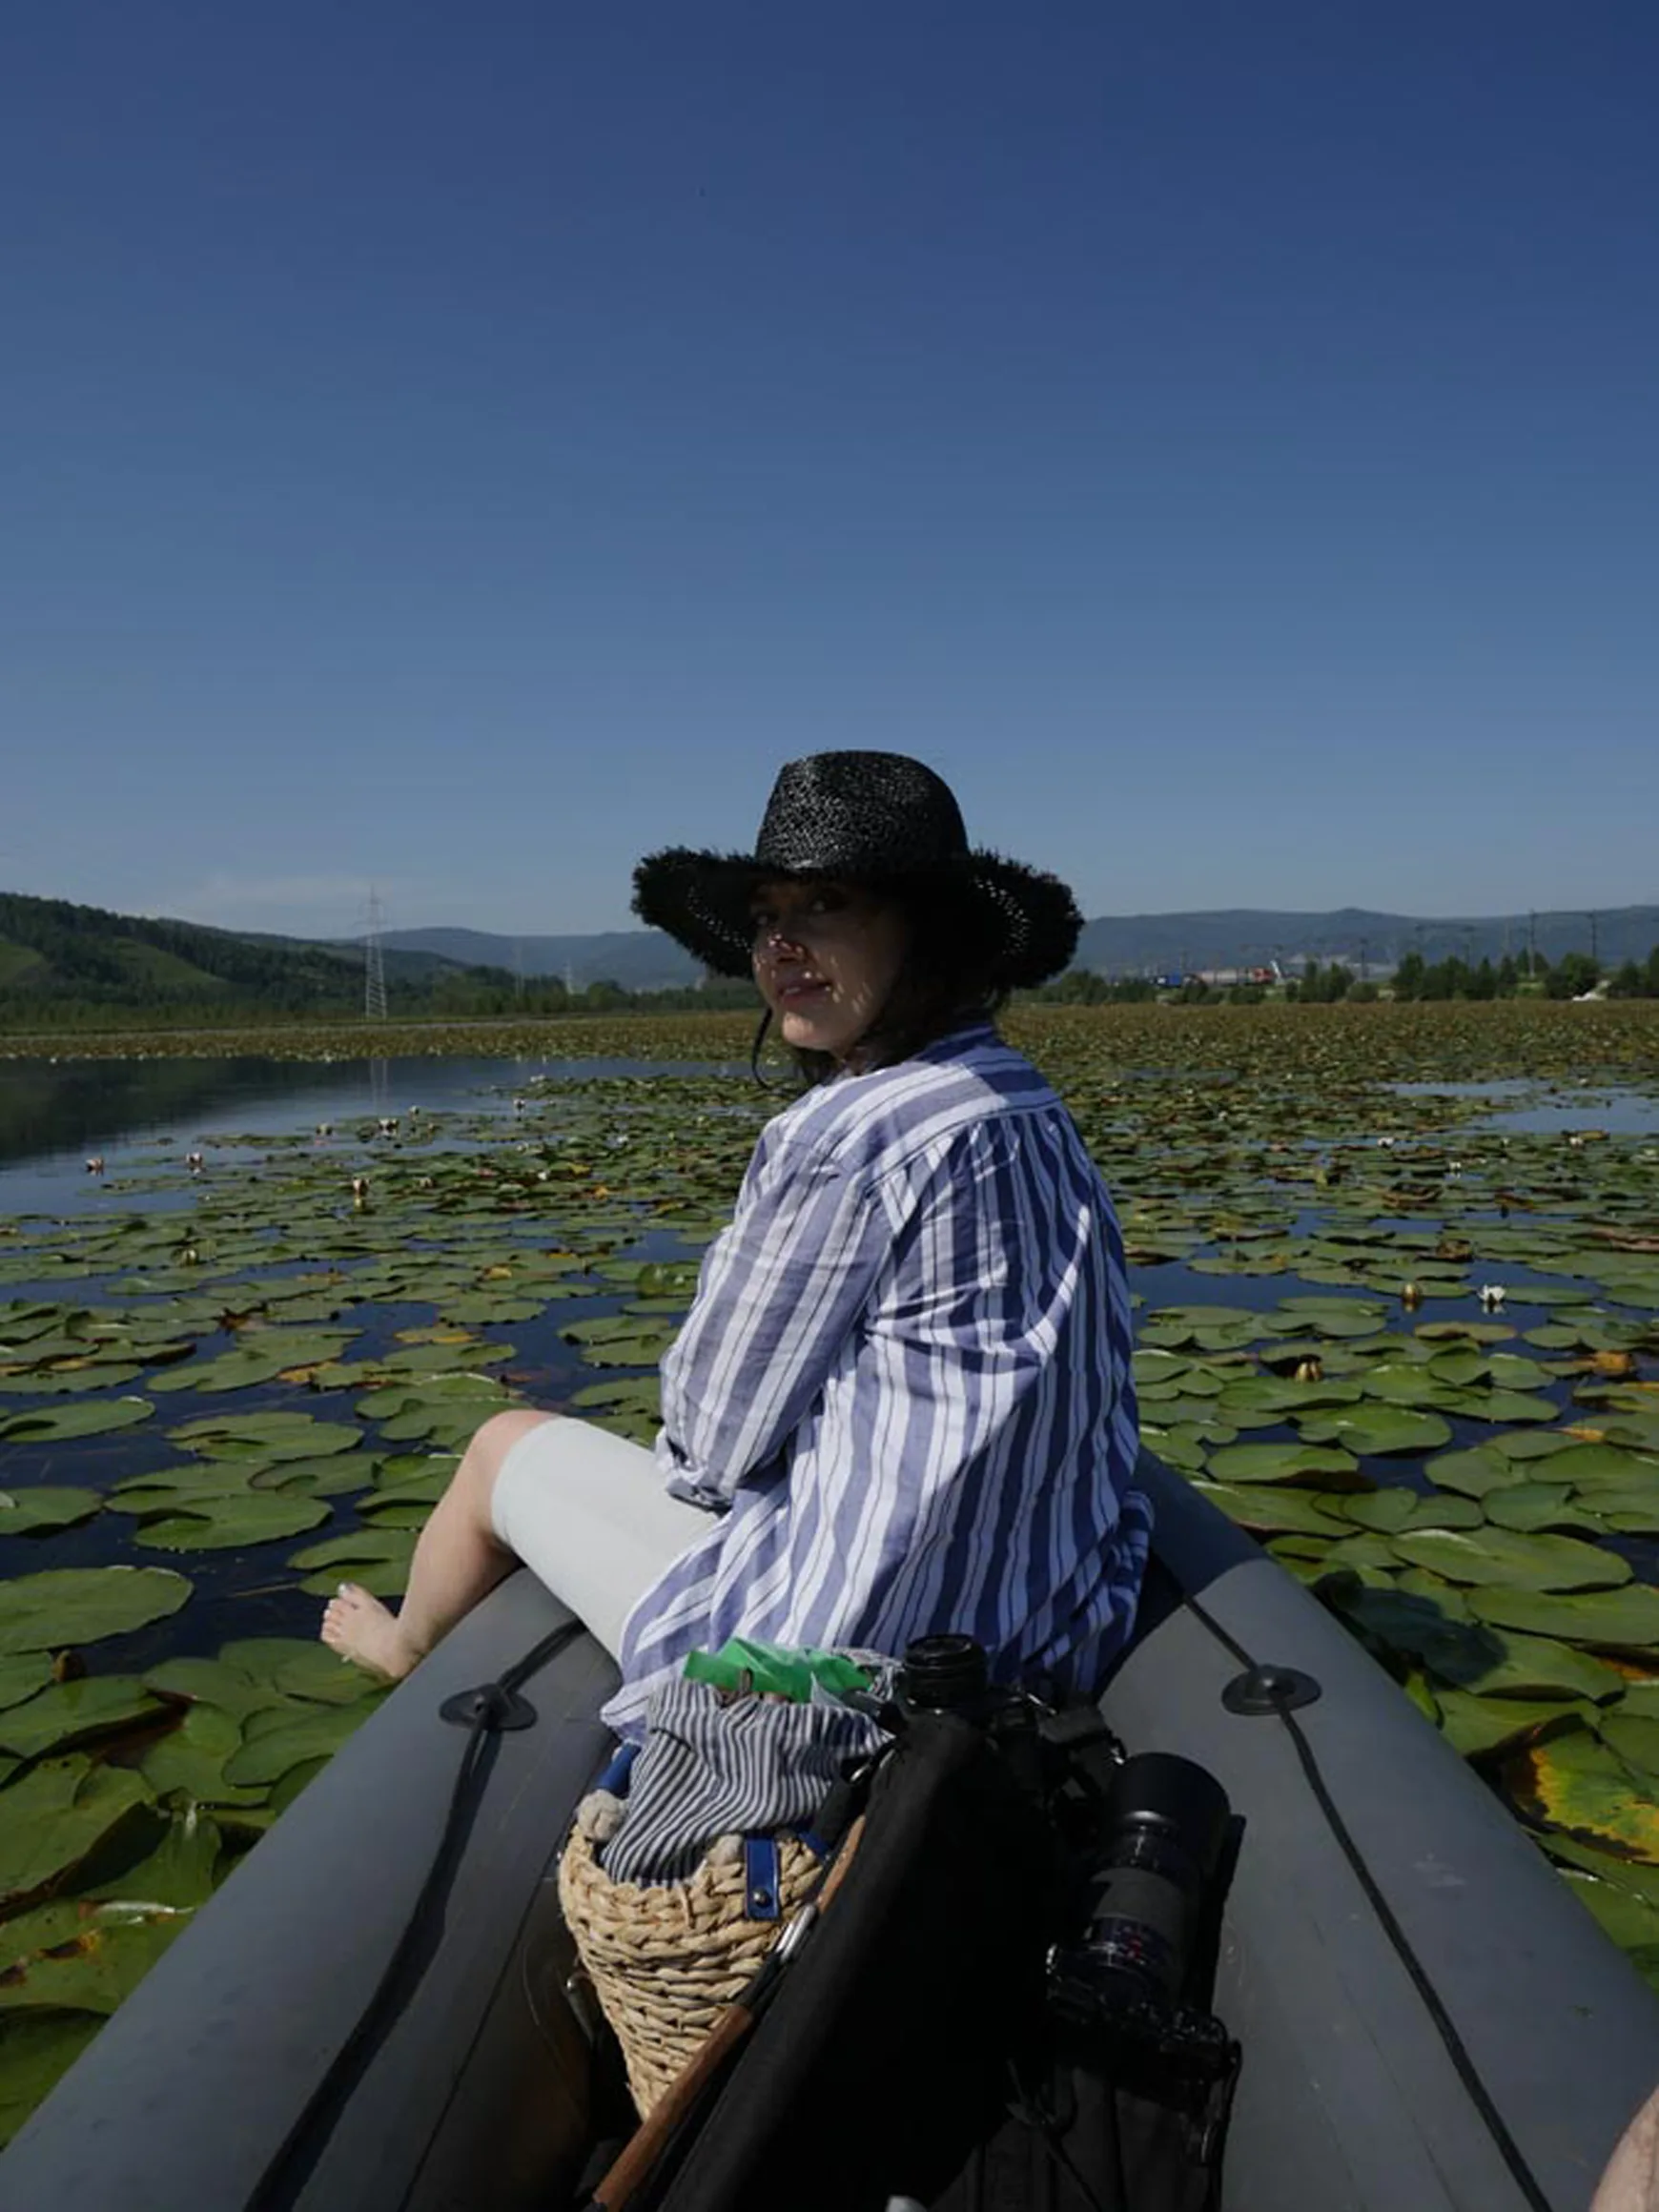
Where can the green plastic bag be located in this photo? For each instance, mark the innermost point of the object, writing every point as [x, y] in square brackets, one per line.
[747, 1666]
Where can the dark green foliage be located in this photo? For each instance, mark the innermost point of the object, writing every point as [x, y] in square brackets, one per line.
[1083, 987]
[75, 968]
[1572, 973]
[1571, 976]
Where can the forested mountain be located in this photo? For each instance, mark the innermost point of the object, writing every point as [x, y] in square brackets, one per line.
[636, 960]
[1129, 944]
[52, 954]
[61, 964]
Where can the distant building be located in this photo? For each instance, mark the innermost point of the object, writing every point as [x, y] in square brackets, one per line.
[1226, 979]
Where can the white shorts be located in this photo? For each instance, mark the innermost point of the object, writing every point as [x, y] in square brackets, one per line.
[587, 1514]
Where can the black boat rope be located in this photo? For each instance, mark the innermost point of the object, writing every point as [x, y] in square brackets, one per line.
[488, 1712]
[1456, 2049]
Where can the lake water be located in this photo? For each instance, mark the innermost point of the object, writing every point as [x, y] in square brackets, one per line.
[143, 1118]
[1525, 1108]
[55, 1114]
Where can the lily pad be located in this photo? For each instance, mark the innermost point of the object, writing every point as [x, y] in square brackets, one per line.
[1272, 1509]
[36, 2050]
[82, 1957]
[1278, 1463]
[211, 1682]
[1634, 1735]
[334, 1476]
[1606, 1620]
[181, 1870]
[187, 1767]
[1630, 1922]
[1577, 1784]
[80, 1417]
[1501, 1406]
[32, 1512]
[260, 1356]
[317, 1676]
[1498, 1663]
[266, 1436]
[1473, 1474]
[1479, 1726]
[228, 1523]
[1377, 1429]
[78, 1605]
[1530, 1443]
[1515, 1561]
[54, 1815]
[1590, 1466]
[316, 1733]
[71, 1712]
[1366, 1554]
[1533, 1506]
[22, 1676]
[622, 1394]
[1384, 1510]
[376, 1558]
[1473, 1332]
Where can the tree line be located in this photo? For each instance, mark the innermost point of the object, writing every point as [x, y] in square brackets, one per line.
[1414, 979]
[1569, 977]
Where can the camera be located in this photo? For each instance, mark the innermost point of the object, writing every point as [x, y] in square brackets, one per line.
[1145, 1843]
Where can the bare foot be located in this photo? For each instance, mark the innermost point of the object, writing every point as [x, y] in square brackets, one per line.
[360, 1629]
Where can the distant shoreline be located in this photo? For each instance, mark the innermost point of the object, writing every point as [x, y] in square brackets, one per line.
[726, 1036]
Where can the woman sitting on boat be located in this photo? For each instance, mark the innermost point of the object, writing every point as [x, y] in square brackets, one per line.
[901, 1403]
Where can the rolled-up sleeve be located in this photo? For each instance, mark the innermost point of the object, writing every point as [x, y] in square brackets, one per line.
[781, 1296]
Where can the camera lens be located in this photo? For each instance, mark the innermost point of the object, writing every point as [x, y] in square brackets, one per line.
[1165, 1823]
[944, 1674]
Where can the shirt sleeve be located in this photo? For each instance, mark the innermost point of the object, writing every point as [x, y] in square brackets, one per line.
[780, 1298]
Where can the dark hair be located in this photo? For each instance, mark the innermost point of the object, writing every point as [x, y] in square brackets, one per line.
[945, 982]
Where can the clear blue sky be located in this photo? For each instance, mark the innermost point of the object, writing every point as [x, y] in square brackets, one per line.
[461, 447]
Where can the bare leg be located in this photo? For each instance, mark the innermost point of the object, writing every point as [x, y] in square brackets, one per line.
[458, 1559]
[1631, 2180]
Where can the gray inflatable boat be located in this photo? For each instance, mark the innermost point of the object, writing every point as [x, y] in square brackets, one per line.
[1430, 2022]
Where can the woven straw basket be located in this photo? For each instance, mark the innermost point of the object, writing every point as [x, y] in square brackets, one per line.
[664, 1958]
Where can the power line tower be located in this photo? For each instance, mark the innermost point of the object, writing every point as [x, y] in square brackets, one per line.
[374, 963]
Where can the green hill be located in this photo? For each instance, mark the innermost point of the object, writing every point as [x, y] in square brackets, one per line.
[60, 962]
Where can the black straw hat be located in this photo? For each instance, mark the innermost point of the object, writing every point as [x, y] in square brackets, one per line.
[874, 818]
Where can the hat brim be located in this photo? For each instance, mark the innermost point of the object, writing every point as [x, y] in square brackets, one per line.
[1023, 924]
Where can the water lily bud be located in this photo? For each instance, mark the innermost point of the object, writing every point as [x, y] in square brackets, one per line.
[1411, 1297]
[1311, 1370]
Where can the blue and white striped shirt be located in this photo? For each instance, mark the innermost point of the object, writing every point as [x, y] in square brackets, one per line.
[904, 1389]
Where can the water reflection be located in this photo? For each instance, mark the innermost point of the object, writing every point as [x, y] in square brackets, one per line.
[54, 1115]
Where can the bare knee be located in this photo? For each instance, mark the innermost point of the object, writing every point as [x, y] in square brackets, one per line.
[483, 1458]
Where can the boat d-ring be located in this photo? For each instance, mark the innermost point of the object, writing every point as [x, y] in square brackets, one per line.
[1265, 1689]
[491, 1706]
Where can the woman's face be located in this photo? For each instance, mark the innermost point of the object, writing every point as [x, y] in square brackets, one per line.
[826, 957]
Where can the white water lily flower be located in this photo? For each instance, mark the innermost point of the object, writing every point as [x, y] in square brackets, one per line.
[1491, 1295]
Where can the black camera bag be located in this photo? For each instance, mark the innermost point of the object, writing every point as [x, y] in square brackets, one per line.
[906, 2049]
